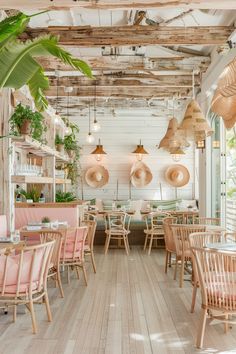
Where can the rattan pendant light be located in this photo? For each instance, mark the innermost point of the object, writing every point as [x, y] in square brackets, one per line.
[99, 151]
[140, 151]
[194, 124]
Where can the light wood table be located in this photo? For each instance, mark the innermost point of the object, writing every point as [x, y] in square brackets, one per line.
[25, 234]
[222, 246]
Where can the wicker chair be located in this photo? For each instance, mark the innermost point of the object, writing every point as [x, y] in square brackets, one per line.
[206, 221]
[88, 247]
[181, 237]
[200, 240]
[117, 225]
[216, 270]
[54, 269]
[72, 253]
[169, 240]
[154, 228]
[23, 277]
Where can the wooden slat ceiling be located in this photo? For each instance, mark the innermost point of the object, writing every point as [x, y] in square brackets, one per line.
[121, 4]
[135, 35]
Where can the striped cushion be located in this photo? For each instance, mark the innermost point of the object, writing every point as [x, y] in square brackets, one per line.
[165, 204]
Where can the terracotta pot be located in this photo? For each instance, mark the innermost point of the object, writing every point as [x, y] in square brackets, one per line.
[25, 129]
[59, 147]
[71, 153]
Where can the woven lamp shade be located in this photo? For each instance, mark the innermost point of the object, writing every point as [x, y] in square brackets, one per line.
[99, 150]
[178, 140]
[140, 150]
[172, 127]
[194, 122]
[224, 100]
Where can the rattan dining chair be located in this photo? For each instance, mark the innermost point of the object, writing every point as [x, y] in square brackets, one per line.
[217, 276]
[23, 279]
[88, 247]
[183, 253]
[117, 225]
[200, 240]
[72, 252]
[169, 240]
[206, 221]
[154, 228]
[54, 269]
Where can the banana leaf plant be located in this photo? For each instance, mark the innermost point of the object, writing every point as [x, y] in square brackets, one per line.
[18, 60]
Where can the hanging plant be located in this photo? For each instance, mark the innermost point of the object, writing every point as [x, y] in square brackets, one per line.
[26, 122]
[17, 59]
[59, 143]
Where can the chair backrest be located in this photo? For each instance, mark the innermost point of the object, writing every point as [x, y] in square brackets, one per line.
[201, 239]
[3, 226]
[216, 270]
[91, 225]
[117, 220]
[46, 236]
[230, 236]
[89, 216]
[155, 219]
[181, 236]
[24, 270]
[206, 221]
[73, 244]
[168, 235]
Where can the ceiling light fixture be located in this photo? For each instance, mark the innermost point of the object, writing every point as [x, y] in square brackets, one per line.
[98, 152]
[140, 151]
[90, 137]
[95, 125]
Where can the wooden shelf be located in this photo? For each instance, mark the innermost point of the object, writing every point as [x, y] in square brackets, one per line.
[35, 147]
[62, 181]
[31, 179]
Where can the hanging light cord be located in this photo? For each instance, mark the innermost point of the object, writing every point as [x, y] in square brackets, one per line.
[89, 119]
[94, 102]
[193, 84]
[57, 94]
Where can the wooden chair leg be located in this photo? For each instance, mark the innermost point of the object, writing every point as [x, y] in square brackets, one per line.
[46, 300]
[68, 274]
[181, 278]
[126, 246]
[58, 277]
[107, 243]
[201, 329]
[93, 262]
[77, 271]
[145, 243]
[226, 324]
[170, 260]
[176, 267]
[194, 294]
[150, 245]
[85, 275]
[166, 262]
[14, 313]
[33, 318]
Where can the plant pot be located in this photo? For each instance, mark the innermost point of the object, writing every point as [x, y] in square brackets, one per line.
[71, 154]
[59, 147]
[25, 129]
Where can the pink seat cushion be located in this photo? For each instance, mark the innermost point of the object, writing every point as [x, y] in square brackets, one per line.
[13, 269]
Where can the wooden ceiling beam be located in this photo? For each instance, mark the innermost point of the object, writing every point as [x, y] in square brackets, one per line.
[132, 63]
[122, 92]
[134, 35]
[121, 4]
[126, 80]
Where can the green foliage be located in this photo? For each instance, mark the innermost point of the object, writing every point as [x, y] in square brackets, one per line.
[45, 220]
[231, 143]
[36, 119]
[230, 192]
[65, 197]
[17, 59]
[59, 140]
[33, 194]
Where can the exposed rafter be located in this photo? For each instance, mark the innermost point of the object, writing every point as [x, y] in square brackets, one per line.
[121, 4]
[135, 35]
[134, 63]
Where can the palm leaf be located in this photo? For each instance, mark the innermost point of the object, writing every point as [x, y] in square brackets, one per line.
[37, 85]
[12, 26]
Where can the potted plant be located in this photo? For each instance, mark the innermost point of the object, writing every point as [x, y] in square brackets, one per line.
[65, 197]
[26, 122]
[70, 146]
[46, 221]
[59, 143]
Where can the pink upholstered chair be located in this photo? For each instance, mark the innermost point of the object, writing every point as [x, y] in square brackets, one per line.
[23, 277]
[169, 239]
[72, 253]
[3, 226]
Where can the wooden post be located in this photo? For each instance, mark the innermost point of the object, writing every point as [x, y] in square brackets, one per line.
[6, 189]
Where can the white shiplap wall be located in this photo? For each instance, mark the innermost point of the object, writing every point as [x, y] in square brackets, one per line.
[119, 136]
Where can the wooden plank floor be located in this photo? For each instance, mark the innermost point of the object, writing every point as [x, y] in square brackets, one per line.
[130, 306]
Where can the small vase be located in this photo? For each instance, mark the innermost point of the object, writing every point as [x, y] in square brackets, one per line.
[25, 129]
[59, 147]
[71, 154]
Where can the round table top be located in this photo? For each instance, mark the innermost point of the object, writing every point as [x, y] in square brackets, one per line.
[222, 246]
